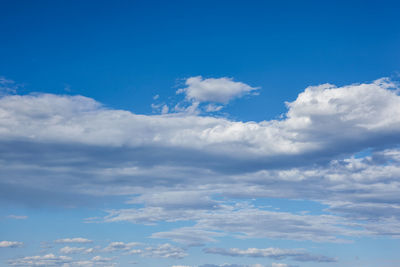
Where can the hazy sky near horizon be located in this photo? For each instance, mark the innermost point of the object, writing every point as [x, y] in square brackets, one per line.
[200, 133]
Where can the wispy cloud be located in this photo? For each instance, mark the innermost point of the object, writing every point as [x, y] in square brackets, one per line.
[273, 253]
[73, 240]
[17, 217]
[11, 244]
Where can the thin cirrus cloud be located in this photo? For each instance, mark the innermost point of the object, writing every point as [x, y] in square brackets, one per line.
[54, 260]
[73, 240]
[120, 246]
[76, 250]
[247, 265]
[274, 253]
[160, 251]
[17, 217]
[164, 251]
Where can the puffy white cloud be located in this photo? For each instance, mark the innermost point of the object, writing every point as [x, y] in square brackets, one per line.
[10, 244]
[220, 90]
[69, 147]
[73, 240]
[320, 118]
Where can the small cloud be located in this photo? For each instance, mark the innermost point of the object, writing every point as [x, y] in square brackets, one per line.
[8, 86]
[164, 251]
[76, 250]
[121, 246]
[156, 97]
[101, 259]
[213, 108]
[164, 109]
[10, 244]
[73, 240]
[274, 253]
[17, 217]
[217, 90]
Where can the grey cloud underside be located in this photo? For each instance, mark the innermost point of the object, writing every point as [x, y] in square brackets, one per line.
[72, 149]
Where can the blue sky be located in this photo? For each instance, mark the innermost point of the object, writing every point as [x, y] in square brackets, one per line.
[199, 133]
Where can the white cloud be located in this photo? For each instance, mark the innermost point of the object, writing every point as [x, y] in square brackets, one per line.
[45, 260]
[10, 244]
[164, 251]
[65, 261]
[177, 199]
[75, 250]
[234, 265]
[220, 90]
[321, 118]
[120, 246]
[188, 236]
[274, 253]
[8, 86]
[73, 240]
[17, 217]
[101, 259]
[213, 108]
[72, 148]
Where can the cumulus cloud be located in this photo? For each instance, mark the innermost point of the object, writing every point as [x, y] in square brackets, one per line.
[68, 147]
[323, 121]
[73, 240]
[10, 244]
[220, 90]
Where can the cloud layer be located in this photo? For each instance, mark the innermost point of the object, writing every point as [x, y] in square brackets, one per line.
[336, 147]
